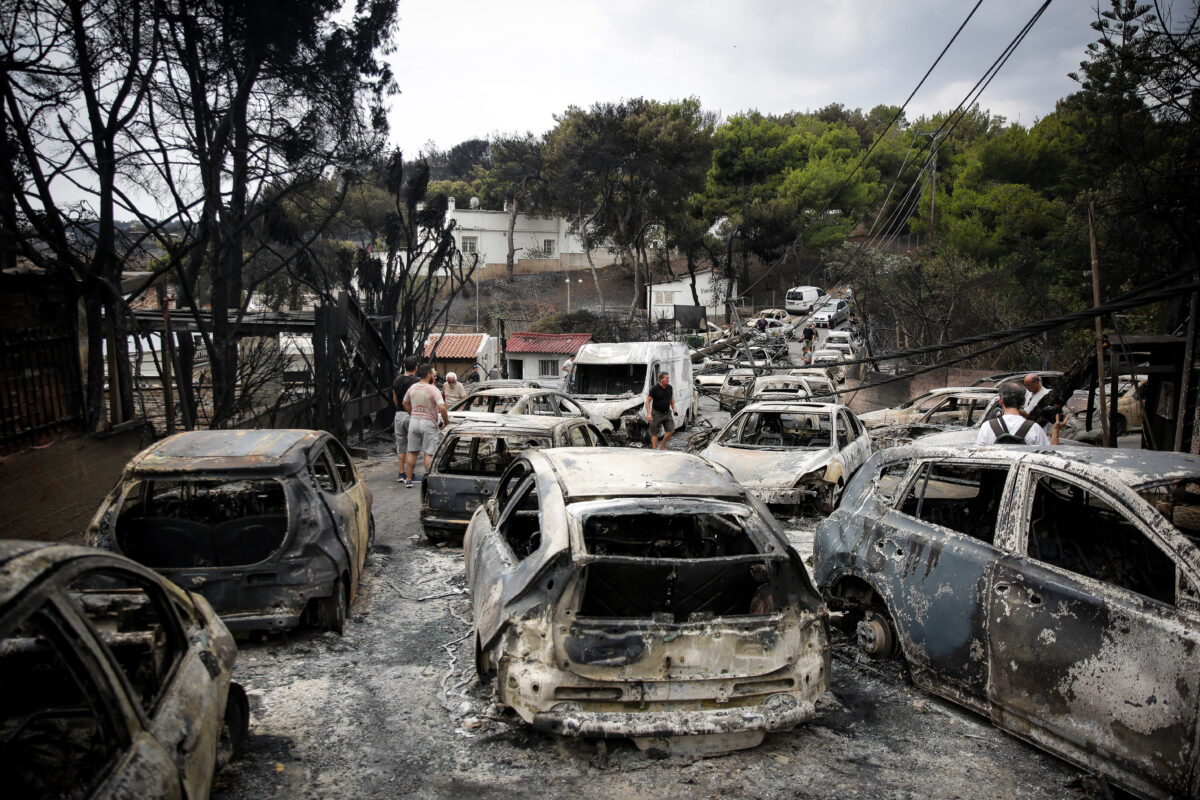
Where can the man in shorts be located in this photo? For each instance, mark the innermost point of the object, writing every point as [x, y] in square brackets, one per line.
[660, 411]
[400, 386]
[424, 402]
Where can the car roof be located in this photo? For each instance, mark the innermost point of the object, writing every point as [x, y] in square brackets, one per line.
[275, 451]
[510, 391]
[24, 562]
[510, 424]
[1134, 468]
[789, 405]
[589, 472]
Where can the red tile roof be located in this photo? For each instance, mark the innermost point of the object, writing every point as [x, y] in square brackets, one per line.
[527, 342]
[455, 345]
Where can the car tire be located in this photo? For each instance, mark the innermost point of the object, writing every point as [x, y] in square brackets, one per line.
[484, 668]
[235, 729]
[876, 635]
[332, 614]
[833, 497]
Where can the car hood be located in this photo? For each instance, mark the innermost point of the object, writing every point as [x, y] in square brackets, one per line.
[608, 406]
[887, 416]
[768, 466]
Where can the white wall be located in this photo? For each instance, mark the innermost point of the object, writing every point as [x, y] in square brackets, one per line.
[531, 365]
[709, 286]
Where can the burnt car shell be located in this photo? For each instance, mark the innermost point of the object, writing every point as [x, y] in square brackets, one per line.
[117, 683]
[472, 455]
[1056, 590]
[643, 595]
[270, 526]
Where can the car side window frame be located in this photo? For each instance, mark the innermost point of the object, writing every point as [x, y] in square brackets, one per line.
[339, 456]
[1021, 530]
[317, 455]
[1004, 510]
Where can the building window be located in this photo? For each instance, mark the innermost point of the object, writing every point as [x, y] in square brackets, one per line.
[664, 298]
[516, 369]
[548, 367]
[548, 248]
[470, 244]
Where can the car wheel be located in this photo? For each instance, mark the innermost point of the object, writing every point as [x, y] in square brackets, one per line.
[235, 729]
[333, 609]
[833, 496]
[876, 635]
[484, 667]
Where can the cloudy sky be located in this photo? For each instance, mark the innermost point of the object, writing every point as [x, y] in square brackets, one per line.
[470, 68]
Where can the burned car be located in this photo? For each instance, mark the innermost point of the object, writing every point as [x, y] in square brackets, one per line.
[1056, 591]
[116, 683]
[792, 454]
[735, 388]
[642, 595]
[473, 454]
[272, 527]
[962, 406]
[780, 387]
[524, 400]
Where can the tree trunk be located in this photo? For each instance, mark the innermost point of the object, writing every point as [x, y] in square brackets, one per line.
[510, 264]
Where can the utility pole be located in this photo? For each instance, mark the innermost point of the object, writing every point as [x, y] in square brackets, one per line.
[1099, 329]
[932, 180]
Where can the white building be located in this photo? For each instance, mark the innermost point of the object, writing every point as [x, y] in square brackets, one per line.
[710, 287]
[533, 356]
[543, 244]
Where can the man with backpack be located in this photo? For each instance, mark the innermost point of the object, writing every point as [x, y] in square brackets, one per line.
[1011, 427]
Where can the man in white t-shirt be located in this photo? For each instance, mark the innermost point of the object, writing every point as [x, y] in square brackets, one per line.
[1012, 396]
[424, 402]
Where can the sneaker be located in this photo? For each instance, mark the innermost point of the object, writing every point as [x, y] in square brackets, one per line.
[408, 484]
[400, 478]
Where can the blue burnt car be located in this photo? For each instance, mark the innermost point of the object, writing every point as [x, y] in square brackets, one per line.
[1056, 591]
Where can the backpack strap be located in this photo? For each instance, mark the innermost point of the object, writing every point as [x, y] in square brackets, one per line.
[998, 427]
[1024, 429]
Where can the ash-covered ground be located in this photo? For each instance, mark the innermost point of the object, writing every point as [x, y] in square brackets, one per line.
[394, 709]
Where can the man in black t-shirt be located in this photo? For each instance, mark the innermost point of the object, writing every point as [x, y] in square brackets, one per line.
[660, 411]
[400, 421]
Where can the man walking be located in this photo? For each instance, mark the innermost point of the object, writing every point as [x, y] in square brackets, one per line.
[453, 391]
[400, 422]
[660, 411]
[1011, 427]
[424, 402]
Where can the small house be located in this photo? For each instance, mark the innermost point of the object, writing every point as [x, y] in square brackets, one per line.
[531, 356]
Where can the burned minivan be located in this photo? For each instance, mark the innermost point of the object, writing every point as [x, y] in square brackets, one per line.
[1056, 591]
[272, 527]
[642, 595]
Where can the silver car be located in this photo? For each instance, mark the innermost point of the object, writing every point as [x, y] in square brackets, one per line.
[621, 593]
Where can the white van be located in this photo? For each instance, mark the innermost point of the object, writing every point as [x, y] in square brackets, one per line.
[614, 379]
[800, 299]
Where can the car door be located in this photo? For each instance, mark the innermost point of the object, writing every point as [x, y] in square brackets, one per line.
[857, 443]
[340, 508]
[497, 552]
[464, 474]
[1089, 653]
[355, 491]
[932, 556]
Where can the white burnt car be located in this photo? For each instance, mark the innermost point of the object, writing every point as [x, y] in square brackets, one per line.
[622, 593]
[792, 454]
[1054, 590]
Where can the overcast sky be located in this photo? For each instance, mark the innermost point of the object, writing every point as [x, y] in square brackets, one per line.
[470, 68]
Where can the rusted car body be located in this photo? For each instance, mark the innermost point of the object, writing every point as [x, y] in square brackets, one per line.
[780, 387]
[735, 388]
[792, 455]
[116, 683]
[1056, 591]
[524, 400]
[644, 595]
[964, 406]
[471, 457]
[272, 527]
